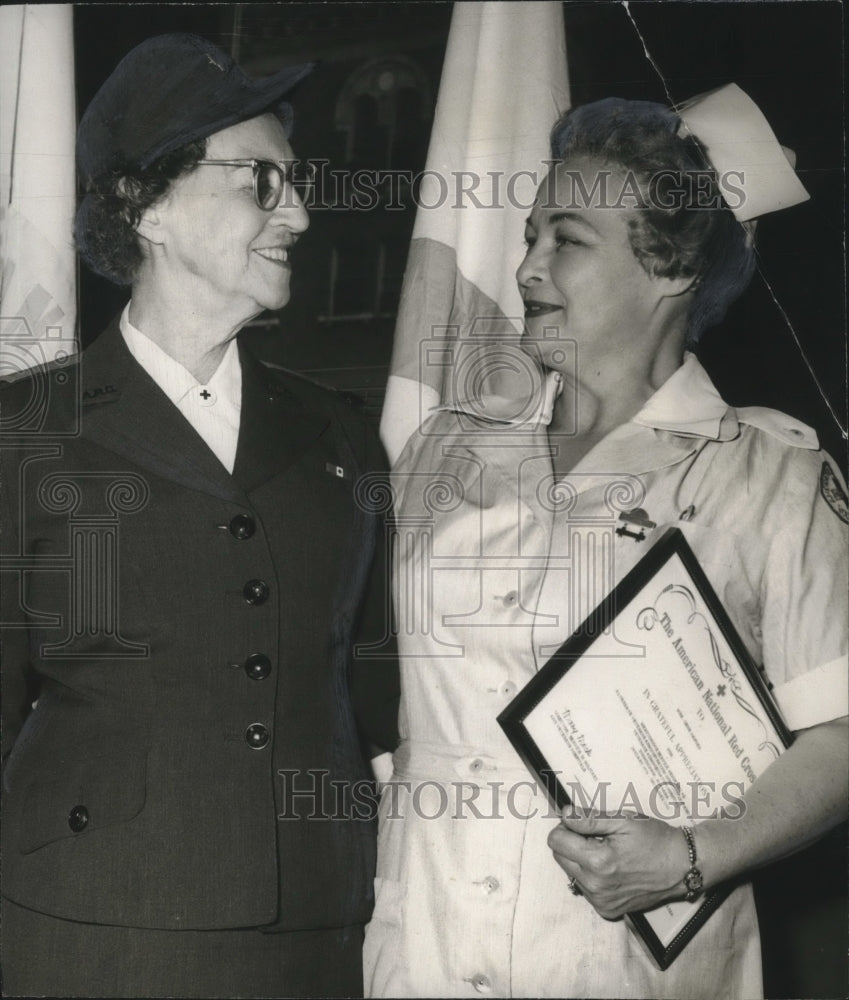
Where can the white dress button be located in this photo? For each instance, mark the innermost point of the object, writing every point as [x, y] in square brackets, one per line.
[481, 983]
[476, 764]
[490, 884]
[510, 599]
[509, 689]
[205, 396]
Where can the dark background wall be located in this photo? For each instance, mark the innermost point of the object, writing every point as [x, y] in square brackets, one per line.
[369, 104]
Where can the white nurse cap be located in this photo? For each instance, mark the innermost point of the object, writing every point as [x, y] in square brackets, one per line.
[738, 140]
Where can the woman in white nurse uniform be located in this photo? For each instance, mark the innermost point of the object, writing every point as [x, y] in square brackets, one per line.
[507, 541]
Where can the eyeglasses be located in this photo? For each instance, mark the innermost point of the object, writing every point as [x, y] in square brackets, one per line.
[270, 179]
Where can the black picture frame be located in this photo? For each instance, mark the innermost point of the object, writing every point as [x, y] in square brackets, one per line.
[513, 718]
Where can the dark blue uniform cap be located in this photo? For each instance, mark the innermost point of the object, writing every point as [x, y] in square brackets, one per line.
[167, 92]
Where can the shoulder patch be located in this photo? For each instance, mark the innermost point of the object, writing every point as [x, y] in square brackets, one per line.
[833, 493]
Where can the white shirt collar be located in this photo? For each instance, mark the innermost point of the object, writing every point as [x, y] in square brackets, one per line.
[689, 403]
[171, 377]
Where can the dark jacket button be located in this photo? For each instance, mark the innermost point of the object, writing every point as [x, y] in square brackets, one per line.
[255, 592]
[256, 736]
[242, 526]
[78, 818]
[257, 666]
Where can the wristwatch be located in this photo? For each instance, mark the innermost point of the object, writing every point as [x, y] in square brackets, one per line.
[693, 881]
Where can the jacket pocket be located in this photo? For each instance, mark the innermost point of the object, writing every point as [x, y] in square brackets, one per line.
[94, 794]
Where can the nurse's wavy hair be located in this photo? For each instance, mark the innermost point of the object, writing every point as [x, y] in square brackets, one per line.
[105, 228]
[686, 239]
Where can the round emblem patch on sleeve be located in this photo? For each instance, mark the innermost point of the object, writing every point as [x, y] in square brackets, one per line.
[833, 493]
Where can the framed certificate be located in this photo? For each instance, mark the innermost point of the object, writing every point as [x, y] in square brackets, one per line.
[653, 706]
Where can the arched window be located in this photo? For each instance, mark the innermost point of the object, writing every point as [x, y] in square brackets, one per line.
[384, 111]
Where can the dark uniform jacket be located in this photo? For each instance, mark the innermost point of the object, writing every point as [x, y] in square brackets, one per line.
[193, 758]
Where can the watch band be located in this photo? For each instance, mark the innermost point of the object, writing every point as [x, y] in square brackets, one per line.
[693, 881]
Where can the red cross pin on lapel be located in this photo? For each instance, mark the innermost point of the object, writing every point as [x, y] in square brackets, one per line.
[335, 470]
